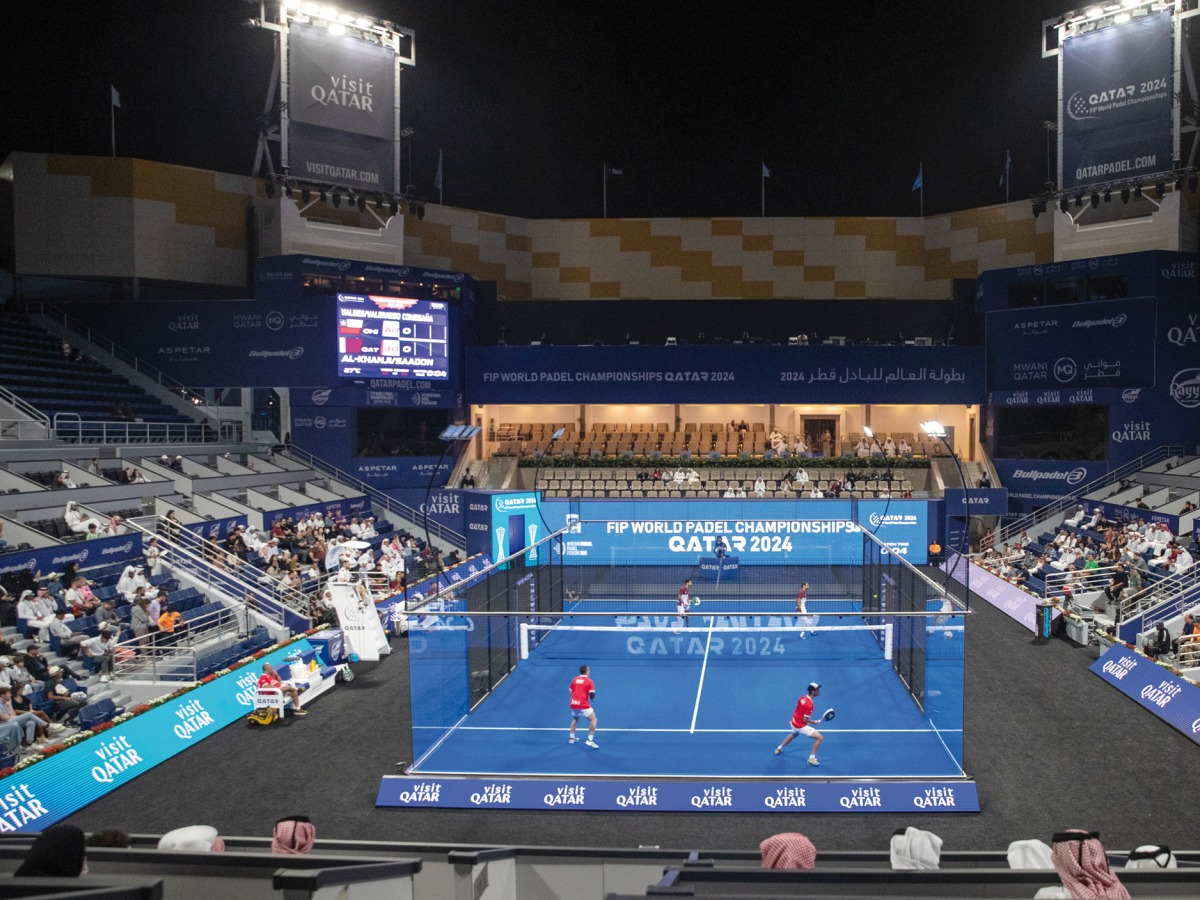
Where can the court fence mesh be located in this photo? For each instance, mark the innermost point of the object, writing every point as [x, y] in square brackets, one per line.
[463, 646]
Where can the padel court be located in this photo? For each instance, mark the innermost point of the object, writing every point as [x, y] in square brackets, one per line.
[712, 699]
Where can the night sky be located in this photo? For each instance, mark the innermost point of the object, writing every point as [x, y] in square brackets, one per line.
[528, 100]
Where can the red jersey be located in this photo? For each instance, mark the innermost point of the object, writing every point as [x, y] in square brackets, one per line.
[581, 687]
[803, 711]
[685, 595]
[269, 681]
[801, 596]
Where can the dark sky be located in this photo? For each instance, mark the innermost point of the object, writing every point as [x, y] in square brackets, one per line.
[528, 100]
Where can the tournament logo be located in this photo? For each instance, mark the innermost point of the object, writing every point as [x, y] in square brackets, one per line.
[319, 422]
[1185, 388]
[274, 320]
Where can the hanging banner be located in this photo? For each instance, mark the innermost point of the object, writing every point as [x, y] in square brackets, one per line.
[1117, 89]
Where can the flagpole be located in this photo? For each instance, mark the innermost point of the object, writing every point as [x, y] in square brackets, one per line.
[112, 126]
[604, 178]
[763, 181]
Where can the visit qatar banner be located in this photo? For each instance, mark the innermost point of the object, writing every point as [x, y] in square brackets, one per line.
[677, 796]
[1117, 96]
[49, 791]
[1173, 699]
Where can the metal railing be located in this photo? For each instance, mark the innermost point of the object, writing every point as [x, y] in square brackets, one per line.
[213, 567]
[1080, 580]
[72, 428]
[174, 657]
[414, 516]
[1033, 519]
[1161, 597]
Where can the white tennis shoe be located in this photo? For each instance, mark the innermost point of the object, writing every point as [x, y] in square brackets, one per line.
[593, 744]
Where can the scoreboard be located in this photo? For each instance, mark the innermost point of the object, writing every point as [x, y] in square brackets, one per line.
[392, 337]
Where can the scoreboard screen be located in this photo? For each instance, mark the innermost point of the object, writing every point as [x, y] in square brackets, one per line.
[392, 337]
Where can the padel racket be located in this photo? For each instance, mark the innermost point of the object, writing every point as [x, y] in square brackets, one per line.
[695, 601]
[827, 716]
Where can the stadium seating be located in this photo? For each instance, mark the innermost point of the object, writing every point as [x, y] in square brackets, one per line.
[98, 713]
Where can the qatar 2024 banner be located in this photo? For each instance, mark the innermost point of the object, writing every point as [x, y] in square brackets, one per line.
[1117, 86]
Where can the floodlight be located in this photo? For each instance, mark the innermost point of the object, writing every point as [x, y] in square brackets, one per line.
[1095, 200]
[868, 432]
[1122, 18]
[337, 199]
[1093, 12]
[328, 12]
[1125, 194]
[934, 428]
[345, 17]
[363, 22]
[1108, 195]
[312, 8]
[1078, 200]
[557, 434]
[1160, 188]
[1063, 203]
[337, 28]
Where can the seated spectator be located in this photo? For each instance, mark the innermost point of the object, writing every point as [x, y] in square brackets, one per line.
[789, 850]
[1030, 854]
[80, 598]
[64, 480]
[293, 834]
[33, 729]
[58, 852]
[1159, 643]
[106, 614]
[39, 610]
[1188, 629]
[1151, 856]
[66, 703]
[1078, 517]
[76, 521]
[270, 679]
[109, 837]
[912, 848]
[69, 642]
[131, 579]
[21, 703]
[1082, 864]
[203, 838]
[100, 650]
[39, 667]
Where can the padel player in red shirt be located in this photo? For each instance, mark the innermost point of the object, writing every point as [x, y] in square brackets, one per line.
[800, 723]
[583, 690]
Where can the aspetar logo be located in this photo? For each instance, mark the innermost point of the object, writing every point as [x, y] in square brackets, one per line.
[1130, 395]
[321, 397]
[1185, 388]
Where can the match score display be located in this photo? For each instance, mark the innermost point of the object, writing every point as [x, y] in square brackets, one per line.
[392, 337]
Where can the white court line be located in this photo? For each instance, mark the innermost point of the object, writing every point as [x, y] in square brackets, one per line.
[808, 776]
[944, 747]
[703, 668]
[439, 741]
[694, 730]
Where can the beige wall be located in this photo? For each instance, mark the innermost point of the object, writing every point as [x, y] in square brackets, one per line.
[122, 218]
[754, 258]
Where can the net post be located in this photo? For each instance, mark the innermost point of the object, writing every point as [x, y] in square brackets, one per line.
[887, 641]
[523, 628]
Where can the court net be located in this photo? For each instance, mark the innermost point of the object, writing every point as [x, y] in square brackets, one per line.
[776, 640]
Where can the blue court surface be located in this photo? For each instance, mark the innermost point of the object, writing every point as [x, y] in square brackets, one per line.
[710, 702]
